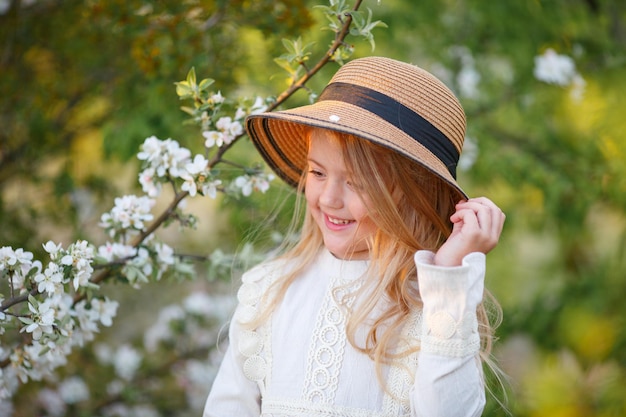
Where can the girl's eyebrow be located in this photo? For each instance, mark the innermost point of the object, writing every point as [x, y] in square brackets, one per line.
[314, 161]
[322, 166]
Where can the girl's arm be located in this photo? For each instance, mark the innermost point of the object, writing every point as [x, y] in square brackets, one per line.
[449, 379]
[232, 393]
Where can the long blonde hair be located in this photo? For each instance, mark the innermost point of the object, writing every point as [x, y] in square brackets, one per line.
[411, 209]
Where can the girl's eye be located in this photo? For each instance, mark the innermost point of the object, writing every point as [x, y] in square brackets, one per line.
[315, 172]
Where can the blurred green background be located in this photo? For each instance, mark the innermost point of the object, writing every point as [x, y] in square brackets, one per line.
[83, 83]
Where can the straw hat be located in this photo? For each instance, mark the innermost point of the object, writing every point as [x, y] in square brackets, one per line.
[388, 102]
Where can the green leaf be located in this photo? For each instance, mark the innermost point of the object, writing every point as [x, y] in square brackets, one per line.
[188, 110]
[205, 83]
[285, 64]
[32, 300]
[289, 45]
[183, 89]
[363, 26]
[191, 77]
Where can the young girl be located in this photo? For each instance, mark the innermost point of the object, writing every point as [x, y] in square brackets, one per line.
[377, 309]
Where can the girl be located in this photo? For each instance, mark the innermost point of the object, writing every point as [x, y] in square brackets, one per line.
[377, 309]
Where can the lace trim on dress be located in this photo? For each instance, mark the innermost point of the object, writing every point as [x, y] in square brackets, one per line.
[276, 407]
[253, 344]
[443, 335]
[327, 348]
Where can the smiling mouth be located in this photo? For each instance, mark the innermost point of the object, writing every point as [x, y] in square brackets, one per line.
[338, 221]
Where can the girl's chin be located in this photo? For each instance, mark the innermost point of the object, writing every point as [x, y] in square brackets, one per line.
[348, 254]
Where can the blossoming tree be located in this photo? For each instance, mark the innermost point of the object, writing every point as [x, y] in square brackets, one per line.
[53, 307]
[541, 83]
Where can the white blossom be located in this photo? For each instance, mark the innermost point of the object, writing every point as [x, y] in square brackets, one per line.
[553, 68]
[126, 362]
[240, 113]
[105, 310]
[235, 129]
[51, 280]
[468, 77]
[199, 303]
[245, 183]
[53, 249]
[104, 353]
[141, 262]
[197, 166]
[17, 263]
[194, 378]
[80, 255]
[22, 256]
[209, 188]
[217, 98]
[165, 254]
[52, 402]
[73, 390]
[113, 251]
[67, 260]
[161, 330]
[164, 157]
[42, 320]
[145, 410]
[9, 383]
[249, 183]
[213, 138]
[129, 213]
[175, 158]
[62, 303]
[45, 358]
[87, 323]
[259, 106]
[194, 169]
[6, 257]
[223, 123]
[20, 362]
[148, 182]
[229, 128]
[150, 150]
[189, 185]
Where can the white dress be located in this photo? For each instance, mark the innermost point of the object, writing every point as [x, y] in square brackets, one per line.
[301, 364]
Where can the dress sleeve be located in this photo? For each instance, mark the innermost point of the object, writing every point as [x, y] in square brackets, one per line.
[449, 379]
[235, 391]
[232, 393]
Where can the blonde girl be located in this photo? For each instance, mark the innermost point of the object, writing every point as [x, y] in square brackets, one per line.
[377, 309]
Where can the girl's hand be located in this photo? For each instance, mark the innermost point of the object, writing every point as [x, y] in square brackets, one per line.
[477, 224]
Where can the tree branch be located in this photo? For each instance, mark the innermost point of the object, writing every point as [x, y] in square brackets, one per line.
[339, 38]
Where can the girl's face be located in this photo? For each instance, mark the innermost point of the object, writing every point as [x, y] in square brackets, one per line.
[333, 201]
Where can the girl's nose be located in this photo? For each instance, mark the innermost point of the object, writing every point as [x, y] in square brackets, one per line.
[332, 195]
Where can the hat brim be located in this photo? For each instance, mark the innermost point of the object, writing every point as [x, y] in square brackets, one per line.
[280, 138]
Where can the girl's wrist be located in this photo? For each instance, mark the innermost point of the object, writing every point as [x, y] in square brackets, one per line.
[446, 261]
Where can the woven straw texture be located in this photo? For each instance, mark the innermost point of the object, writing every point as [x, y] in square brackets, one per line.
[280, 136]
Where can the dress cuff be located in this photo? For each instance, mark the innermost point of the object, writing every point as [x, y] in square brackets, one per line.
[450, 296]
